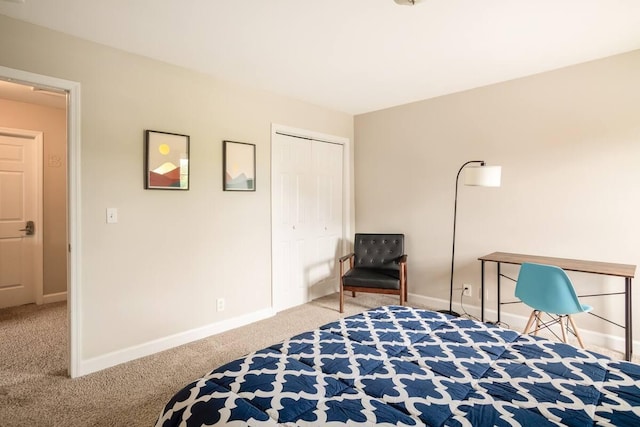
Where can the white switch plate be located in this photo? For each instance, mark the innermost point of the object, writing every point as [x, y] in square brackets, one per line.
[112, 215]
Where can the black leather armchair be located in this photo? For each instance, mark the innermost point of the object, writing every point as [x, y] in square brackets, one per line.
[377, 264]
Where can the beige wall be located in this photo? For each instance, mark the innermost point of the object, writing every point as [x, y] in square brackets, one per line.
[159, 271]
[53, 123]
[569, 145]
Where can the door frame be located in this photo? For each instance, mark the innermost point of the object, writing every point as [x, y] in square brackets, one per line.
[36, 138]
[347, 196]
[74, 297]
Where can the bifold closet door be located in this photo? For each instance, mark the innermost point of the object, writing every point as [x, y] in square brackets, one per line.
[306, 217]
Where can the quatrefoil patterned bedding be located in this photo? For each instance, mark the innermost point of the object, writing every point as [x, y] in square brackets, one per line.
[402, 366]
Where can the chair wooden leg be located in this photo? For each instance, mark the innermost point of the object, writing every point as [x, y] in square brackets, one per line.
[575, 331]
[353, 294]
[342, 284]
[529, 323]
[564, 325]
[406, 285]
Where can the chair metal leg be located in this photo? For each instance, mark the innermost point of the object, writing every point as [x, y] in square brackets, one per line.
[538, 315]
[575, 331]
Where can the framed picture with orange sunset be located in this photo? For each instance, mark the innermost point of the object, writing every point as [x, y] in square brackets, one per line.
[166, 161]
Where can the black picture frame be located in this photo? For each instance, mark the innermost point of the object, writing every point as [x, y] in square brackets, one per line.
[166, 160]
[239, 166]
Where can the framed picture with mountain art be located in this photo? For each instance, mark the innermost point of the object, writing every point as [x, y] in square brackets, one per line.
[239, 166]
[166, 161]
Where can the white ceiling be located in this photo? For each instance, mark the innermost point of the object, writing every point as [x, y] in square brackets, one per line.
[354, 56]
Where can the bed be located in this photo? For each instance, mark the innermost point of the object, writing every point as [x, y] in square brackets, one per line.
[397, 365]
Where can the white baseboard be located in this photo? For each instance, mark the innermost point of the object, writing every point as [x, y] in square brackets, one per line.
[518, 323]
[146, 349]
[57, 297]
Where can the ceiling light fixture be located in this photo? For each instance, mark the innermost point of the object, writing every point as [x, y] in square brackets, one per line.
[406, 2]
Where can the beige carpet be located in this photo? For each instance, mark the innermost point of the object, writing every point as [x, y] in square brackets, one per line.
[35, 391]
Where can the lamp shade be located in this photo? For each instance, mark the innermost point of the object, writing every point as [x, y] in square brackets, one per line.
[483, 176]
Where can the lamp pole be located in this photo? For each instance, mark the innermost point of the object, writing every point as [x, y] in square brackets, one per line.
[453, 250]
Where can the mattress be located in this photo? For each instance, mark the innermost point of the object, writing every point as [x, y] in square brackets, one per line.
[402, 366]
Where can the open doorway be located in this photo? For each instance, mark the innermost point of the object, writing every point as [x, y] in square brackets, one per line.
[38, 109]
[33, 177]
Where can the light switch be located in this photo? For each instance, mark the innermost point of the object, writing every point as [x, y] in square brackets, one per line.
[112, 215]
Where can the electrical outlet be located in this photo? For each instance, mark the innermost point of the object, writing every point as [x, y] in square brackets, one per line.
[220, 304]
[467, 290]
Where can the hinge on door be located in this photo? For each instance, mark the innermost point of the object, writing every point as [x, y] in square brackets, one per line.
[69, 247]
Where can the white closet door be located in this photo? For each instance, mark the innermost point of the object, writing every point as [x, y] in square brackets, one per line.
[291, 185]
[307, 217]
[327, 221]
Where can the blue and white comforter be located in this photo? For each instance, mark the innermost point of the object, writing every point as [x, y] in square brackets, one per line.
[409, 367]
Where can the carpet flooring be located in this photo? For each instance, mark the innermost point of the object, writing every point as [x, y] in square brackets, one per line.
[35, 390]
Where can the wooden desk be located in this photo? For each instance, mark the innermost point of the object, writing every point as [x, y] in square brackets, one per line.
[605, 268]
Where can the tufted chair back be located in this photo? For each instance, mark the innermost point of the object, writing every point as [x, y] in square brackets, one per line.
[378, 250]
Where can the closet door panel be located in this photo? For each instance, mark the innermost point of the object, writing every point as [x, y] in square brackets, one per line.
[307, 217]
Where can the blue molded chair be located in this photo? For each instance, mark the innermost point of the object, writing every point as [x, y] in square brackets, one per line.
[548, 289]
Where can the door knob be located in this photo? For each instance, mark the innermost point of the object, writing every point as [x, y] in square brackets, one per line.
[30, 228]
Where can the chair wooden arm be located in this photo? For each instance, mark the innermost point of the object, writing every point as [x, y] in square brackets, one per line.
[346, 257]
[402, 259]
[343, 259]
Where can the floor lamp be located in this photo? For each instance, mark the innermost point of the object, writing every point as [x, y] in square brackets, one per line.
[482, 176]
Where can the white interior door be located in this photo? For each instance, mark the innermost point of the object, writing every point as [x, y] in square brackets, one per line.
[307, 218]
[20, 250]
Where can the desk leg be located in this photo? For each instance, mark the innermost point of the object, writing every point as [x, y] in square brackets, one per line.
[482, 292]
[498, 286]
[627, 320]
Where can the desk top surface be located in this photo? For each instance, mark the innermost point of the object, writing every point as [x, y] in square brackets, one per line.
[596, 267]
